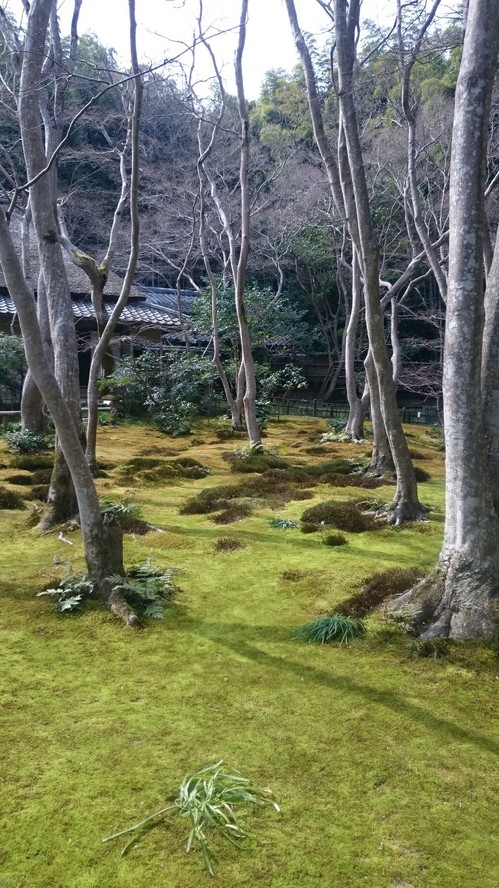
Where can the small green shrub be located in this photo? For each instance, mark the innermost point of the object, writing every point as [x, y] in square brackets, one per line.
[25, 442]
[127, 515]
[334, 539]
[10, 499]
[417, 454]
[228, 544]
[208, 799]
[283, 523]
[327, 629]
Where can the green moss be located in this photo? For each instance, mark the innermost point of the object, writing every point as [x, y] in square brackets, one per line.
[384, 764]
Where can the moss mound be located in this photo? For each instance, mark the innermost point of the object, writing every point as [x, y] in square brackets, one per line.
[9, 499]
[378, 588]
[345, 516]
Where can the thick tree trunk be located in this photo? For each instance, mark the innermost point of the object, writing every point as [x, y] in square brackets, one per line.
[461, 598]
[99, 547]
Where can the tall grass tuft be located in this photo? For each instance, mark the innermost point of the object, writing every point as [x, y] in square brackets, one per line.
[207, 798]
[336, 627]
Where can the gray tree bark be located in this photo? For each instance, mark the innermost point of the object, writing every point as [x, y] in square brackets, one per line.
[102, 541]
[406, 505]
[460, 598]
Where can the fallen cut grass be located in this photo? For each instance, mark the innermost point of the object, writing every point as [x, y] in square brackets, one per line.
[384, 763]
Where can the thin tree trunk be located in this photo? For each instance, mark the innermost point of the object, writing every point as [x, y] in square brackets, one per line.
[406, 505]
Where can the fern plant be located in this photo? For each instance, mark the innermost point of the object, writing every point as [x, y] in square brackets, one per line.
[146, 588]
[208, 798]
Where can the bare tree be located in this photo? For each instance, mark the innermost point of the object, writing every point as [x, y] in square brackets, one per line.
[102, 540]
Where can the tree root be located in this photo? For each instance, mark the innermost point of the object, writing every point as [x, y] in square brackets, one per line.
[401, 511]
[120, 608]
[457, 600]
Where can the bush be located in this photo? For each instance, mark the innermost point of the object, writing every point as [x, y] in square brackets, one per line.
[25, 442]
[344, 516]
[378, 588]
[333, 628]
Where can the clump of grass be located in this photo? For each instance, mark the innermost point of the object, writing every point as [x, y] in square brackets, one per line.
[377, 588]
[324, 630]
[21, 480]
[308, 527]
[10, 499]
[294, 575]
[207, 799]
[334, 539]
[228, 544]
[153, 469]
[342, 515]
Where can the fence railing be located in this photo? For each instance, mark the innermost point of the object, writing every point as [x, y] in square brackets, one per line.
[423, 415]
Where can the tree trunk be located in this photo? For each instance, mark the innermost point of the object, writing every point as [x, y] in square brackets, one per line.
[460, 598]
[406, 505]
[358, 406]
[100, 547]
[249, 400]
[381, 458]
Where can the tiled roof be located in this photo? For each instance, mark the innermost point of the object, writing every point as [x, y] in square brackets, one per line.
[136, 312]
[165, 297]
